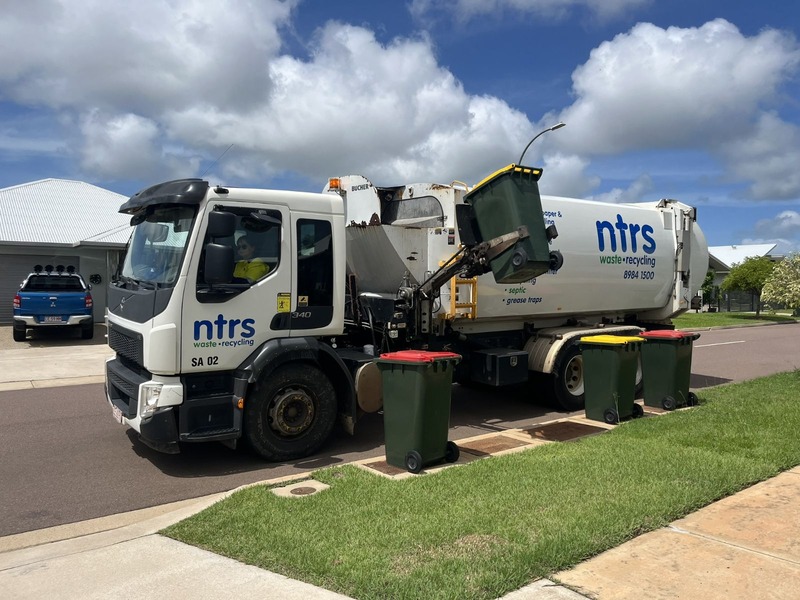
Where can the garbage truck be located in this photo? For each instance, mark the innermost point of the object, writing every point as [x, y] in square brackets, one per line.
[497, 273]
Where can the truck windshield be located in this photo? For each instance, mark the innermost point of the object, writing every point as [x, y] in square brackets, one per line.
[157, 246]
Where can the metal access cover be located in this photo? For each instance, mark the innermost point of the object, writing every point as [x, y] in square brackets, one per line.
[300, 489]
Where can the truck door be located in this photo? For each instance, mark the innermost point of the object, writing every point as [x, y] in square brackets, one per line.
[313, 305]
[224, 323]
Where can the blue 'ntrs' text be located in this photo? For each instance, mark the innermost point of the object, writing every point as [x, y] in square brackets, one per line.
[224, 328]
[626, 231]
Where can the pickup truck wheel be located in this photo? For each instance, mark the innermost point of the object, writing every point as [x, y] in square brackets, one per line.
[19, 333]
[568, 384]
[290, 413]
[87, 331]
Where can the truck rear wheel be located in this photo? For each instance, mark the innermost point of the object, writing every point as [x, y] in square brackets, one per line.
[290, 413]
[568, 382]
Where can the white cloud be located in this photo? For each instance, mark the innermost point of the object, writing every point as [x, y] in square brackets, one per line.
[388, 111]
[783, 229]
[464, 10]
[654, 87]
[769, 155]
[148, 91]
[128, 146]
[635, 192]
[784, 224]
[205, 75]
[708, 87]
[565, 175]
[139, 58]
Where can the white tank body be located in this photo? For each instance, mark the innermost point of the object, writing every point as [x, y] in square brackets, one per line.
[618, 258]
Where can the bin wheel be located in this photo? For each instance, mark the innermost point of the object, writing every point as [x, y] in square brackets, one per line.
[610, 416]
[692, 400]
[451, 452]
[414, 462]
[668, 403]
[638, 411]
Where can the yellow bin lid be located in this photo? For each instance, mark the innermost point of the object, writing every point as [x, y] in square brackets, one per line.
[612, 340]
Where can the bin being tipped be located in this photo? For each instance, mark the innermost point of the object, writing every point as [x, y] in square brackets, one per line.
[507, 205]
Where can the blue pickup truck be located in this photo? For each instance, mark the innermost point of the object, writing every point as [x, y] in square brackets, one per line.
[53, 297]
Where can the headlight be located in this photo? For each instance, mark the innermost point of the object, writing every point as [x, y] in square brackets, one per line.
[148, 402]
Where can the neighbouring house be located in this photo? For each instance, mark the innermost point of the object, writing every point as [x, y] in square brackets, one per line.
[721, 259]
[60, 222]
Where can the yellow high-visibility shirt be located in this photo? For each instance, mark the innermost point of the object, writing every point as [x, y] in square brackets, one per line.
[252, 270]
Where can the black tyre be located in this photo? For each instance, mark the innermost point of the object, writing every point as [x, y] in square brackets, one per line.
[638, 411]
[290, 413]
[19, 334]
[610, 416]
[87, 331]
[668, 403]
[568, 384]
[692, 399]
[556, 260]
[451, 452]
[413, 462]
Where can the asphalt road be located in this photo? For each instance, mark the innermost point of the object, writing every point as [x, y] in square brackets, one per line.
[63, 459]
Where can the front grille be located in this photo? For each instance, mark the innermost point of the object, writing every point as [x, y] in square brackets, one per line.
[126, 343]
[123, 387]
[127, 388]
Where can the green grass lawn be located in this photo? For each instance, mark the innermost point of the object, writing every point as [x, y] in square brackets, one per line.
[691, 319]
[489, 527]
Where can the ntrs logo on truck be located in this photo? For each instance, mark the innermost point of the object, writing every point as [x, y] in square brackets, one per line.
[627, 231]
[224, 329]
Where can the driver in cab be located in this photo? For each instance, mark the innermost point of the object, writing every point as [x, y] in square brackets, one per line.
[248, 267]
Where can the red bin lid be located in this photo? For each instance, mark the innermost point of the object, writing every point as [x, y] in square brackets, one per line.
[418, 356]
[668, 334]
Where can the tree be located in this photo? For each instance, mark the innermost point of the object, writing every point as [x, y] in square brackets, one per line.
[750, 276]
[708, 288]
[783, 285]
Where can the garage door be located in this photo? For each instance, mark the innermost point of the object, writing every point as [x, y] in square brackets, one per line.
[16, 268]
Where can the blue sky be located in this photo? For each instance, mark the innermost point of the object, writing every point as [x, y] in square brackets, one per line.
[693, 100]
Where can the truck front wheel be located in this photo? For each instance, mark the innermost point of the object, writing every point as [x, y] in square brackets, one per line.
[290, 413]
[568, 382]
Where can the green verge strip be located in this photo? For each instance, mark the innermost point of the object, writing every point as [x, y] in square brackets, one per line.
[691, 320]
[491, 526]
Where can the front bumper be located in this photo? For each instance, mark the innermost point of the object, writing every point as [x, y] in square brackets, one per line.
[210, 412]
[124, 392]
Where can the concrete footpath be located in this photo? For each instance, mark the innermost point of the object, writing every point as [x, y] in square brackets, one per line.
[746, 546]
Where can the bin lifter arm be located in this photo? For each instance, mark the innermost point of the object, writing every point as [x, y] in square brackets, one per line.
[471, 261]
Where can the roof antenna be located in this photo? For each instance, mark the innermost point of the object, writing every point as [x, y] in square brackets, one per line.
[216, 161]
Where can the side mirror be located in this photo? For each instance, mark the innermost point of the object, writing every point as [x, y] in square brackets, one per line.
[219, 263]
[221, 224]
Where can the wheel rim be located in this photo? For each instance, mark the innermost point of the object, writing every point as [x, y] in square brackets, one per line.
[292, 412]
[573, 376]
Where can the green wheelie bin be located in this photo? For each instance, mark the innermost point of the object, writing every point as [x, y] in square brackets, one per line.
[667, 368]
[501, 203]
[610, 363]
[416, 407]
